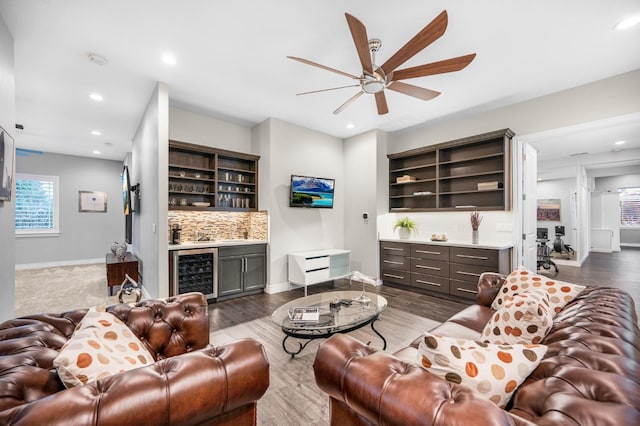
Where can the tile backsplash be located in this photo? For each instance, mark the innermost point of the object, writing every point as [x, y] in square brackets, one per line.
[214, 225]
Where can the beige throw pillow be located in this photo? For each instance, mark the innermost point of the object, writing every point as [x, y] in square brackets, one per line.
[525, 318]
[100, 346]
[522, 279]
[491, 371]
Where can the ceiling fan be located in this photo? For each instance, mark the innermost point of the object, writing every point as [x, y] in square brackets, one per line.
[375, 79]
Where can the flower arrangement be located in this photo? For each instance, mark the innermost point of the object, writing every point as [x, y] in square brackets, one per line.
[476, 219]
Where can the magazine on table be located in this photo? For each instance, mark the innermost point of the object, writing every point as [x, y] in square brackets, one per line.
[304, 314]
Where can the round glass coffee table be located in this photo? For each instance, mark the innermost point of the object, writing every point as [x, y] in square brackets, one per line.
[339, 312]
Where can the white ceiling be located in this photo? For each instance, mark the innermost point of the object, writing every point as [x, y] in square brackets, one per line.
[231, 61]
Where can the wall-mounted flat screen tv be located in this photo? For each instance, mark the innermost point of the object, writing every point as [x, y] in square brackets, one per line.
[309, 191]
[126, 191]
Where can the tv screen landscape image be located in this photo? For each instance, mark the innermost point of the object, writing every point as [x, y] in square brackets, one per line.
[309, 191]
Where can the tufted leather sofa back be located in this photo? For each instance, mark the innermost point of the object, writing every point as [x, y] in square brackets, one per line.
[29, 345]
[591, 372]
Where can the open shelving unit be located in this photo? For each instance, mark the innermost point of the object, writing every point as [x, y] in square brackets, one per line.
[204, 178]
[446, 176]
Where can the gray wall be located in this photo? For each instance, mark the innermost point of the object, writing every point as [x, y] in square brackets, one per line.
[606, 98]
[83, 236]
[7, 220]
[187, 126]
[289, 149]
[360, 185]
[628, 236]
[150, 165]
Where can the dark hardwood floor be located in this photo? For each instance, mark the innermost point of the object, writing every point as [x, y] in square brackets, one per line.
[237, 311]
[619, 270]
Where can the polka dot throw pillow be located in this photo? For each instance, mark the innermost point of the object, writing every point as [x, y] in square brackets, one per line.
[522, 279]
[491, 371]
[100, 346]
[525, 318]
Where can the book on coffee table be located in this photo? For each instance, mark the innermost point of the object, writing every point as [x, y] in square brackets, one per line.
[305, 314]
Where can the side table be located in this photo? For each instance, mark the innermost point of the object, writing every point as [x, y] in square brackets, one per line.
[117, 269]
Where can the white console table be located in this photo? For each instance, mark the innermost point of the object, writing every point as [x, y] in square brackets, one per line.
[317, 266]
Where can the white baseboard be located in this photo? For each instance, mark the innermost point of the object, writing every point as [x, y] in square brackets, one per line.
[277, 288]
[23, 266]
[629, 245]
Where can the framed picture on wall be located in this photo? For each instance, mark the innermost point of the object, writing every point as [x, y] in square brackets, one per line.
[549, 210]
[92, 201]
[7, 158]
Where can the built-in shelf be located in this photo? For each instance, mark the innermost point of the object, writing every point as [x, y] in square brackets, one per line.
[226, 180]
[450, 172]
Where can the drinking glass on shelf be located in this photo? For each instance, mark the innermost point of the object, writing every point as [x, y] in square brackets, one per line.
[199, 188]
[205, 188]
[173, 202]
[182, 173]
[183, 202]
[177, 187]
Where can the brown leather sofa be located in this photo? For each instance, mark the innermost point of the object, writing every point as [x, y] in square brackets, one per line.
[590, 374]
[191, 383]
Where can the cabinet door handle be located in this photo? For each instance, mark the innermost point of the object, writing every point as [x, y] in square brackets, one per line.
[395, 263]
[429, 283]
[466, 256]
[427, 252]
[244, 264]
[393, 276]
[464, 290]
[467, 273]
[433, 268]
[393, 248]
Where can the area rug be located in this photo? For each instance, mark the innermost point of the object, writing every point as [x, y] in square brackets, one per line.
[293, 397]
[60, 289]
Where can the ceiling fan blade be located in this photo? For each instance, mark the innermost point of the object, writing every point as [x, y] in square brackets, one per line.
[359, 34]
[324, 67]
[381, 103]
[440, 67]
[433, 31]
[411, 90]
[326, 90]
[346, 104]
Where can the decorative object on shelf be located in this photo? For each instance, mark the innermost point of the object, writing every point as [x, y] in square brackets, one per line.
[407, 227]
[359, 276]
[405, 179]
[92, 202]
[439, 237]
[119, 249]
[129, 291]
[476, 219]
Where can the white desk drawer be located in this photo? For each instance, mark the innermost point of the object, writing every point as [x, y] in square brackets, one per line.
[316, 263]
[318, 276]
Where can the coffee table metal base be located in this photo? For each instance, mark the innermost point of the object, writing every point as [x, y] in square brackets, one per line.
[309, 336]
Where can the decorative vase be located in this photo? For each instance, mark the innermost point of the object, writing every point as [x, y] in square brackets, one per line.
[404, 233]
[119, 249]
[475, 236]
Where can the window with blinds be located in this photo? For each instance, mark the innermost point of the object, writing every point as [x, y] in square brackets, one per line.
[36, 204]
[630, 206]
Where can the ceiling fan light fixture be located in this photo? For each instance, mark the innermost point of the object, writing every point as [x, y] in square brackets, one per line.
[373, 86]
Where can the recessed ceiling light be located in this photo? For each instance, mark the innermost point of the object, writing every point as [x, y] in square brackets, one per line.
[95, 151]
[95, 133]
[627, 23]
[96, 96]
[350, 126]
[108, 143]
[169, 59]
[620, 142]
[96, 59]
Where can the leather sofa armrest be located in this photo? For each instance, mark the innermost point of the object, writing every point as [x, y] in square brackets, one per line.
[380, 388]
[186, 389]
[489, 284]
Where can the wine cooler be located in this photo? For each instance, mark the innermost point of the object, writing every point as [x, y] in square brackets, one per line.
[195, 270]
